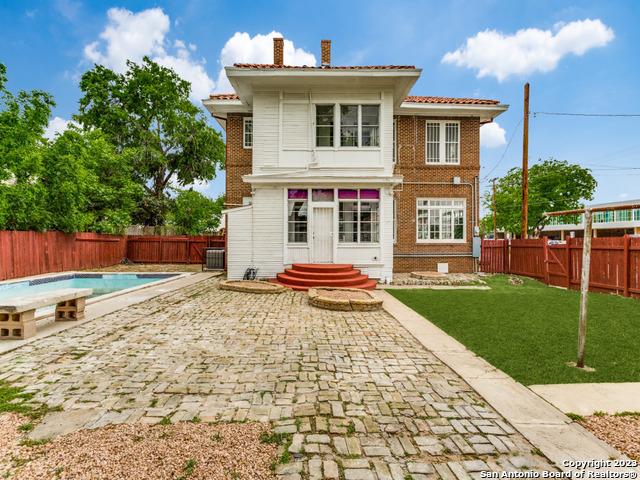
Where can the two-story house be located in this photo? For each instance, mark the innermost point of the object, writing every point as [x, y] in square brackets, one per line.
[339, 165]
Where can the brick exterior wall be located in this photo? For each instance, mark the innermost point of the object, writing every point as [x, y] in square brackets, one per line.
[238, 162]
[411, 164]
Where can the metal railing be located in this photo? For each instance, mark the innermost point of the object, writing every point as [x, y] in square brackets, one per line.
[608, 216]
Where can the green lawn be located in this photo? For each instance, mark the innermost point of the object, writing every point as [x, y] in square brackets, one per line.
[530, 331]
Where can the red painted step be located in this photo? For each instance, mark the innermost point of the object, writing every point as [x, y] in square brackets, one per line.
[302, 276]
[322, 267]
[322, 276]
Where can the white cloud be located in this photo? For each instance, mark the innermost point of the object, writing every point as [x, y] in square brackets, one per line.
[493, 53]
[492, 135]
[243, 48]
[131, 36]
[57, 125]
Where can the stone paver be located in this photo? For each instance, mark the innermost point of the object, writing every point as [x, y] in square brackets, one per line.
[362, 398]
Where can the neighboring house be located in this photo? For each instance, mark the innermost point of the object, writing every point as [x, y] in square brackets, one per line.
[607, 223]
[337, 164]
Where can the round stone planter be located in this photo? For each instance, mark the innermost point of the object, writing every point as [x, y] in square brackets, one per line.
[344, 299]
[251, 286]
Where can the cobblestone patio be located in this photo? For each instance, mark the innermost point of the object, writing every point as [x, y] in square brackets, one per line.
[360, 396]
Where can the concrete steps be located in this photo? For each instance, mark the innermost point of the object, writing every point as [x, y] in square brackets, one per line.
[302, 276]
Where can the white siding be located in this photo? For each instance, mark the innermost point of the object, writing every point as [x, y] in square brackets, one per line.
[266, 130]
[295, 126]
[268, 231]
[239, 242]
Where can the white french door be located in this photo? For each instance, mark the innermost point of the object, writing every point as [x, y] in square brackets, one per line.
[322, 235]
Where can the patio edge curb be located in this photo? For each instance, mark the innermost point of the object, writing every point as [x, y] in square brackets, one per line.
[543, 425]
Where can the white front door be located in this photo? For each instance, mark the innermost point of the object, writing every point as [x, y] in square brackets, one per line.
[322, 235]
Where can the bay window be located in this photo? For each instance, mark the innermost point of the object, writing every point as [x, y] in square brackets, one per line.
[358, 216]
[442, 142]
[297, 215]
[440, 220]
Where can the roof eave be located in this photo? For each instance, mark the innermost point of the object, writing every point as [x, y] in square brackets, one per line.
[485, 112]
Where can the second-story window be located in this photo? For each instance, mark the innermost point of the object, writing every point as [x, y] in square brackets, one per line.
[348, 125]
[324, 125]
[247, 132]
[354, 125]
[442, 142]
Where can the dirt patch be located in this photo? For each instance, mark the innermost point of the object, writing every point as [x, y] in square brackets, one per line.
[193, 451]
[620, 431]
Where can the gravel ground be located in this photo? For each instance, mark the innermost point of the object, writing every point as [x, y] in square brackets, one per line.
[620, 431]
[433, 278]
[193, 451]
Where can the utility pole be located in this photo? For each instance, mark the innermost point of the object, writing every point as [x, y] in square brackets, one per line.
[525, 165]
[495, 229]
[584, 286]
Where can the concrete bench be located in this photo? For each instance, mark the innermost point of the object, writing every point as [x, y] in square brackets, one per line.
[17, 315]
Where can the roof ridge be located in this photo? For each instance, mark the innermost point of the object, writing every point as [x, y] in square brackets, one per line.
[408, 99]
[330, 67]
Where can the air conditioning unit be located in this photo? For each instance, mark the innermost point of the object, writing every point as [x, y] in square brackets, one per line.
[213, 259]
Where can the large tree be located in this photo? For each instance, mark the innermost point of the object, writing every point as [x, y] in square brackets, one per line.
[90, 187]
[195, 214]
[23, 119]
[147, 112]
[553, 185]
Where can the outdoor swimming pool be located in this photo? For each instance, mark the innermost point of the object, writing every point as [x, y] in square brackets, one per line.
[101, 283]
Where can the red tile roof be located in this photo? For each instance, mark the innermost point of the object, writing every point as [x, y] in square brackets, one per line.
[349, 67]
[410, 99]
[451, 100]
[224, 96]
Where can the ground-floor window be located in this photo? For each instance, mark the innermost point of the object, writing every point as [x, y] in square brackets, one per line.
[358, 216]
[297, 212]
[441, 219]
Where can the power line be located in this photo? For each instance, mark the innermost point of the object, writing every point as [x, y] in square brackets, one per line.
[574, 114]
[513, 134]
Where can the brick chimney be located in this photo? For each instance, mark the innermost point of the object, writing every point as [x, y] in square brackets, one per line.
[326, 52]
[278, 51]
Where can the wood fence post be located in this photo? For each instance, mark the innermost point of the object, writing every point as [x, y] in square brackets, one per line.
[506, 264]
[625, 265]
[584, 287]
[545, 247]
[568, 262]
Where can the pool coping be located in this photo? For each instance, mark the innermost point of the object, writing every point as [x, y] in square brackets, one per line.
[107, 296]
[105, 304]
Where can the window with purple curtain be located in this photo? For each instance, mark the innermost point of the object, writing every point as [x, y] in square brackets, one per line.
[358, 216]
[297, 208]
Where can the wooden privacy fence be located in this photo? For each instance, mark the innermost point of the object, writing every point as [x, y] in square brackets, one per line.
[32, 253]
[615, 262]
[176, 249]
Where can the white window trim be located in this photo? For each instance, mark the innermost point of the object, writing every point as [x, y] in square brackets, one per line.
[394, 153]
[337, 125]
[443, 241]
[358, 242]
[443, 142]
[244, 132]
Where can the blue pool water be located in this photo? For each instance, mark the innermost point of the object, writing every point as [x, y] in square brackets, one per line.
[100, 283]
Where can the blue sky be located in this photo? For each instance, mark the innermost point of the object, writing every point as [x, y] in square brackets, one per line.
[581, 57]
